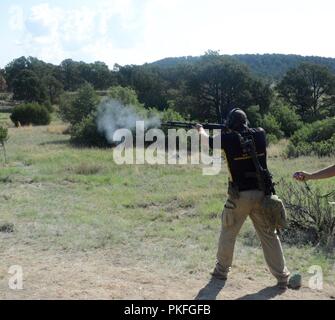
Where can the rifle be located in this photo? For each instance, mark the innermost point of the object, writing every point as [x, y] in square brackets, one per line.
[190, 125]
[264, 177]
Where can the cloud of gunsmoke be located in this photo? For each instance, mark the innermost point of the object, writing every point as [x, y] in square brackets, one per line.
[113, 115]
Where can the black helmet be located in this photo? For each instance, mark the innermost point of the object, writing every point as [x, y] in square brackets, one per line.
[237, 119]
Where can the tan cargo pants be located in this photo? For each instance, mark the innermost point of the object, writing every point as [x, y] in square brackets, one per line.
[233, 216]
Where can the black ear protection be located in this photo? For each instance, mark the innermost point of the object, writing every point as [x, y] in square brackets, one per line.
[236, 118]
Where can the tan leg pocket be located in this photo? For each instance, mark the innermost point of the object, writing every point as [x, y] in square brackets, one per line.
[228, 217]
[228, 213]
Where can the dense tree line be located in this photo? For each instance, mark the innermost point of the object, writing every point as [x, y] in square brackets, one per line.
[31, 79]
[202, 89]
[270, 67]
[208, 87]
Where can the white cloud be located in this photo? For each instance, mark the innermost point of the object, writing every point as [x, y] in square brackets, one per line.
[54, 33]
[16, 19]
[138, 31]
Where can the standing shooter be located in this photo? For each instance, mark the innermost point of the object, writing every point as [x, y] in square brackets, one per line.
[250, 193]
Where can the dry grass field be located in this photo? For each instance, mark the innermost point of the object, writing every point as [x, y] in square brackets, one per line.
[84, 227]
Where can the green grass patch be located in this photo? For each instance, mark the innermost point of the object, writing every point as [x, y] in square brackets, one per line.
[64, 198]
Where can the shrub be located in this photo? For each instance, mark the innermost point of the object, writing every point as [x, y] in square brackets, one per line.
[280, 121]
[7, 228]
[317, 138]
[86, 133]
[125, 95]
[49, 106]
[271, 126]
[65, 107]
[254, 116]
[171, 115]
[310, 215]
[119, 109]
[289, 121]
[98, 128]
[271, 139]
[74, 109]
[30, 113]
[3, 139]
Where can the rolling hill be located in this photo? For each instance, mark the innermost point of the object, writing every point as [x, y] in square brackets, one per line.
[271, 67]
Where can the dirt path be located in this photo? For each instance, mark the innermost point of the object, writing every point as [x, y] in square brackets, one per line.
[110, 275]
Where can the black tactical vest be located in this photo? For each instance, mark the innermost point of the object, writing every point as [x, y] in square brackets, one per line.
[240, 164]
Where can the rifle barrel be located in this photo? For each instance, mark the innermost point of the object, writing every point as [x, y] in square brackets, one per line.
[180, 124]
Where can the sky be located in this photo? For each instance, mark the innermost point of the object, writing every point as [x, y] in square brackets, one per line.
[139, 31]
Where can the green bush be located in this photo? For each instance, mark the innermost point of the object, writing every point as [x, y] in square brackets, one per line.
[171, 115]
[3, 139]
[271, 139]
[49, 106]
[30, 114]
[268, 122]
[280, 121]
[271, 126]
[289, 121]
[65, 107]
[317, 138]
[75, 108]
[125, 95]
[254, 116]
[119, 109]
[86, 133]
[311, 217]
